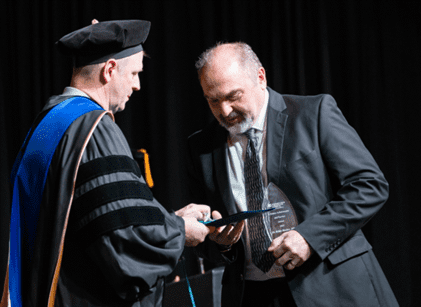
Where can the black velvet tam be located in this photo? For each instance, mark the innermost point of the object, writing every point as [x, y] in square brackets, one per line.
[102, 41]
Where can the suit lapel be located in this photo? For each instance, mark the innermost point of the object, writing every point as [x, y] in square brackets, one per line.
[277, 116]
[221, 170]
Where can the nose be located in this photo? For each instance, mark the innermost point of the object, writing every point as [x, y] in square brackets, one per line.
[136, 85]
[226, 108]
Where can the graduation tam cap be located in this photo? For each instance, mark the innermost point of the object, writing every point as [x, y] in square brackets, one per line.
[99, 42]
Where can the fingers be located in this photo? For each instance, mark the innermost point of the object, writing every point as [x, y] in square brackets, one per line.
[277, 247]
[216, 230]
[220, 234]
[285, 258]
[195, 232]
[205, 209]
[237, 231]
[211, 229]
[200, 212]
[216, 215]
[289, 261]
[295, 262]
[290, 265]
[291, 249]
[228, 235]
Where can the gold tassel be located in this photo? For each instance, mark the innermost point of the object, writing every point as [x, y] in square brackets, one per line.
[148, 173]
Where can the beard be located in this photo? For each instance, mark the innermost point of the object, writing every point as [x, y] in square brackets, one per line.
[237, 128]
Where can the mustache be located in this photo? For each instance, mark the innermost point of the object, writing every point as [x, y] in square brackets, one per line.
[231, 116]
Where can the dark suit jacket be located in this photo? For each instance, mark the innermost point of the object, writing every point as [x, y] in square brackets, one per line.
[334, 185]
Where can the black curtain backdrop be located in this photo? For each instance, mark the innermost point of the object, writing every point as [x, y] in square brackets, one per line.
[365, 53]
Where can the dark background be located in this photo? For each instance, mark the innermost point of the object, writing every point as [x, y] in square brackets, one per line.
[365, 53]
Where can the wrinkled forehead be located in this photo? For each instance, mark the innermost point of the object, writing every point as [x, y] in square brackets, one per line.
[223, 78]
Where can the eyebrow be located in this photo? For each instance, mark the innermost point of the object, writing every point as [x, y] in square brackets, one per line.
[229, 95]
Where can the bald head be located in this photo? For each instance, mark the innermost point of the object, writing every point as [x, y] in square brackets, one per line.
[234, 84]
[225, 54]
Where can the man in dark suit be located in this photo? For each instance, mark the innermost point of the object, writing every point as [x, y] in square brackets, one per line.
[304, 146]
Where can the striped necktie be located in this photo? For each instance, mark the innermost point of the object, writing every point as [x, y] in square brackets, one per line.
[259, 241]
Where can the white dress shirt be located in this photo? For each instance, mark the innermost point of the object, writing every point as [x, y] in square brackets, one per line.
[236, 155]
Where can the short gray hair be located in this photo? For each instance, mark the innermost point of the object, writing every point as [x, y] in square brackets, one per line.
[245, 55]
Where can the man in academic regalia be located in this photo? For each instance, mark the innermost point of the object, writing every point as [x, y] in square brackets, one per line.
[85, 228]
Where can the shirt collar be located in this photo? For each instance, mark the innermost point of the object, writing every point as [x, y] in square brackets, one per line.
[260, 123]
[72, 91]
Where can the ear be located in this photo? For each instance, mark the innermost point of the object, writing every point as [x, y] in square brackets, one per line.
[109, 69]
[261, 76]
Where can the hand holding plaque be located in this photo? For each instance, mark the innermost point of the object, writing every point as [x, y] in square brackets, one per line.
[282, 217]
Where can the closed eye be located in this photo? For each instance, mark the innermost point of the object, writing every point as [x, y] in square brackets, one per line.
[234, 95]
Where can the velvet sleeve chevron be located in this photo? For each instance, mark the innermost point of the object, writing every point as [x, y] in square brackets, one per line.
[116, 220]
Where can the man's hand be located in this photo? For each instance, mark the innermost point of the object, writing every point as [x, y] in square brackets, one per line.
[193, 210]
[291, 248]
[226, 235]
[196, 232]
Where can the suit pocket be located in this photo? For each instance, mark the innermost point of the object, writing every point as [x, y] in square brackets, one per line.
[305, 160]
[355, 246]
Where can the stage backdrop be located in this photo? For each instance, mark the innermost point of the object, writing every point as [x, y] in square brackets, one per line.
[365, 53]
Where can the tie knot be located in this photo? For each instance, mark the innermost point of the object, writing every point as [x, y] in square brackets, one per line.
[252, 138]
[250, 134]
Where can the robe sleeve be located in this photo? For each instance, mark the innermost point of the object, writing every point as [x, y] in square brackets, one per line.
[133, 239]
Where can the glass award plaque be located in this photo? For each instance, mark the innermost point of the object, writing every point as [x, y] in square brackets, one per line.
[281, 218]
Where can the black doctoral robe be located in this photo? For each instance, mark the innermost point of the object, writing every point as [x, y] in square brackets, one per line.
[118, 242]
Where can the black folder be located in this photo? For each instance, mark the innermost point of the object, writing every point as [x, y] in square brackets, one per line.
[235, 217]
